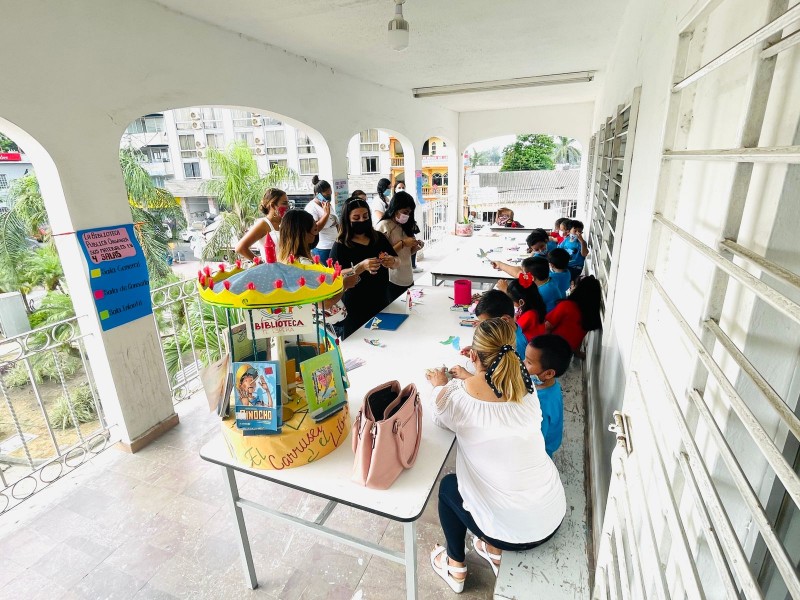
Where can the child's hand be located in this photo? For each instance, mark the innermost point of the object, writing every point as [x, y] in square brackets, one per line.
[466, 350]
[494, 264]
[459, 372]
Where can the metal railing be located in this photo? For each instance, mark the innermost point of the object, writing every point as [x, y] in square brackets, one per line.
[434, 190]
[192, 334]
[51, 419]
[398, 161]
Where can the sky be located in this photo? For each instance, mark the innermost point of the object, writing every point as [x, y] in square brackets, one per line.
[500, 142]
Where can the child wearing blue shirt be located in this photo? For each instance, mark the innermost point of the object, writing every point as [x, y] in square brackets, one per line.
[577, 248]
[547, 357]
[559, 271]
[548, 289]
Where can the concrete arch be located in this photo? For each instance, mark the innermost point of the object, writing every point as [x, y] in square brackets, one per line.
[410, 163]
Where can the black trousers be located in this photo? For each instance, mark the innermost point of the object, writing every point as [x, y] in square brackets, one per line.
[456, 520]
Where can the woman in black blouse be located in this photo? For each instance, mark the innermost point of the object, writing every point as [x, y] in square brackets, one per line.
[369, 254]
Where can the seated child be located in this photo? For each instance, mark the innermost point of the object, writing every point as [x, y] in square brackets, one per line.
[548, 289]
[493, 304]
[577, 248]
[547, 357]
[578, 313]
[559, 259]
[528, 305]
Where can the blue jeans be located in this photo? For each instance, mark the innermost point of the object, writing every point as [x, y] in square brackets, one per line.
[323, 254]
[455, 520]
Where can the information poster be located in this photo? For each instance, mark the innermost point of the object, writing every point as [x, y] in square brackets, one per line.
[292, 320]
[340, 191]
[117, 274]
[418, 178]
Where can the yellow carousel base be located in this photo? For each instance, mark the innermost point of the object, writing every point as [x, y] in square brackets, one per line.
[301, 441]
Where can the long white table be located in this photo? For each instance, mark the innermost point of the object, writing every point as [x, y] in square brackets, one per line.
[407, 353]
[465, 263]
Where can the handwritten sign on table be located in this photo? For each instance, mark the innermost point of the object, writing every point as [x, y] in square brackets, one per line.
[117, 274]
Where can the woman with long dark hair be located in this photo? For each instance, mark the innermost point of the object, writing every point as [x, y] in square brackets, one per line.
[360, 250]
[380, 201]
[398, 225]
[274, 205]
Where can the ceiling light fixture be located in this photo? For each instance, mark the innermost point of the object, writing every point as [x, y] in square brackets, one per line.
[504, 84]
[398, 28]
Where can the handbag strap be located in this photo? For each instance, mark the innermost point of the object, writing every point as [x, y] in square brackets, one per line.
[407, 464]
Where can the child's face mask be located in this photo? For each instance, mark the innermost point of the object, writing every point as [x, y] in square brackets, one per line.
[535, 379]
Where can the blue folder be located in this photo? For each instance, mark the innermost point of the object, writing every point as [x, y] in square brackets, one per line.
[388, 321]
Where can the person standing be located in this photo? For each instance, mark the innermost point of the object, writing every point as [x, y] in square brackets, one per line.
[274, 205]
[400, 186]
[379, 202]
[325, 217]
[398, 225]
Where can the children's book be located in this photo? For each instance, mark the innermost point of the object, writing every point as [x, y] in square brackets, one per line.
[256, 388]
[322, 379]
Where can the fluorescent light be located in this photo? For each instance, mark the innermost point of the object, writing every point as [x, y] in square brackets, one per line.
[504, 84]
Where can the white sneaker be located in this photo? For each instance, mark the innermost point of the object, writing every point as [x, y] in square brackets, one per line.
[418, 270]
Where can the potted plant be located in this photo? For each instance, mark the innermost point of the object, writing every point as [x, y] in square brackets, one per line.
[464, 227]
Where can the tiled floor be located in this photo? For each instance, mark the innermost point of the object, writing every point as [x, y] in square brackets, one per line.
[156, 525]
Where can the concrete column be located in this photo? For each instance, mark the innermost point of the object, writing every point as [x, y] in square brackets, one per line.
[126, 361]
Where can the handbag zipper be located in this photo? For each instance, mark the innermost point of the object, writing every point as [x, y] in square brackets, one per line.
[374, 432]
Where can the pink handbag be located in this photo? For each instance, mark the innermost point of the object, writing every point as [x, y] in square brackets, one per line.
[386, 434]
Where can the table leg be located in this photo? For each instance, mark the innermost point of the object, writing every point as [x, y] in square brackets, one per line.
[244, 541]
[410, 546]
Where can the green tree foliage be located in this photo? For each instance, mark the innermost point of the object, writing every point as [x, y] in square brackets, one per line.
[238, 187]
[530, 152]
[7, 145]
[485, 157]
[566, 152]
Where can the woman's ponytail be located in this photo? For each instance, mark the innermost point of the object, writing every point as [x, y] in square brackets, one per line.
[494, 343]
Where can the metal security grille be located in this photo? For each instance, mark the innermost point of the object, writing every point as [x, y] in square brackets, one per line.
[705, 490]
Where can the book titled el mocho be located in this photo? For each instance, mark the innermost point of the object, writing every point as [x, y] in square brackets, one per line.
[257, 396]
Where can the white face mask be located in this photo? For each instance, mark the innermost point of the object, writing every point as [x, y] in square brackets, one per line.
[401, 218]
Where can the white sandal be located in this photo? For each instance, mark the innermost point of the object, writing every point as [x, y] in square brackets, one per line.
[443, 571]
[486, 554]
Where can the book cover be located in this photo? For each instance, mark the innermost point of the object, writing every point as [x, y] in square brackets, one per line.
[256, 395]
[322, 379]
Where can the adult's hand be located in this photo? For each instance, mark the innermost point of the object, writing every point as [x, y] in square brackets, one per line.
[459, 372]
[437, 377]
[370, 264]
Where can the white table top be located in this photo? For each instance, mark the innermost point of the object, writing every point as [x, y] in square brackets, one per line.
[464, 262]
[409, 351]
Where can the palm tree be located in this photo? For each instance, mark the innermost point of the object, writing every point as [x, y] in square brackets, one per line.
[42, 267]
[566, 153]
[238, 187]
[150, 206]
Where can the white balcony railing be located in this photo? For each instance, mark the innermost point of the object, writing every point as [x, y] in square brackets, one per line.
[434, 190]
[158, 168]
[431, 160]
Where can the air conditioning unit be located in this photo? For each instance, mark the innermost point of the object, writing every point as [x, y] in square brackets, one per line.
[384, 147]
[256, 121]
[258, 141]
[197, 124]
[201, 154]
[199, 144]
[260, 151]
[195, 115]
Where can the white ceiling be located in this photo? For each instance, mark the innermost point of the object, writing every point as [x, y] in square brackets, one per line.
[452, 41]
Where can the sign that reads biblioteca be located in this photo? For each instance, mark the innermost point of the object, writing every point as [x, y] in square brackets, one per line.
[291, 320]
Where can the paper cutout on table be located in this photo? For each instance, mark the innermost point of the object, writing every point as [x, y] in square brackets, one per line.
[354, 363]
[443, 368]
[454, 341]
[416, 293]
[483, 254]
[376, 343]
[459, 307]
[375, 322]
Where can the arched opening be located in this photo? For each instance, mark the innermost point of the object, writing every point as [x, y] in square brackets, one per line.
[535, 175]
[375, 154]
[51, 411]
[196, 176]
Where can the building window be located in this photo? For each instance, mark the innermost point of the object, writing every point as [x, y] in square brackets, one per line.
[158, 154]
[275, 141]
[270, 122]
[188, 146]
[308, 166]
[281, 162]
[242, 118]
[3, 181]
[437, 179]
[370, 164]
[304, 145]
[191, 170]
[158, 180]
[444, 179]
[183, 119]
[215, 140]
[246, 137]
[212, 118]
[433, 148]
[369, 141]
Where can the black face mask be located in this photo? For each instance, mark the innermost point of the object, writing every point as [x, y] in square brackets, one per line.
[361, 227]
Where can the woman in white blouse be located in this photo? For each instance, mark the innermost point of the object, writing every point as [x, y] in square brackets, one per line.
[506, 490]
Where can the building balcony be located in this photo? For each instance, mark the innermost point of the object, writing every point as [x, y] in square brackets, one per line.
[158, 168]
[398, 162]
[434, 160]
[434, 190]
